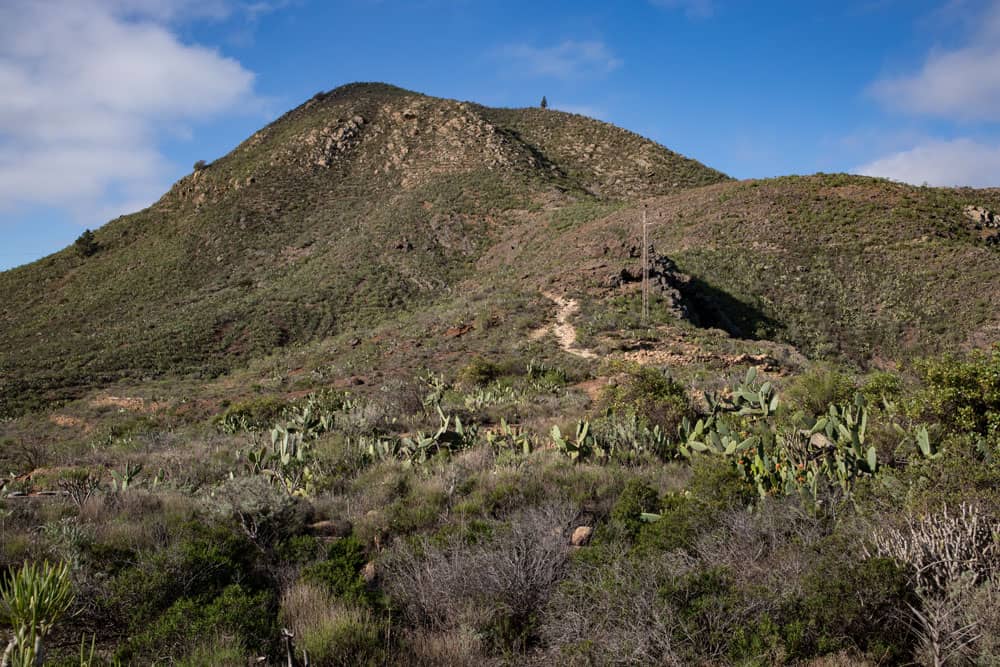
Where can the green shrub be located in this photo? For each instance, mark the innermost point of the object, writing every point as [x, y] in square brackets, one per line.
[203, 565]
[882, 385]
[635, 499]
[253, 415]
[962, 394]
[298, 549]
[682, 519]
[651, 395]
[347, 638]
[851, 602]
[331, 632]
[246, 616]
[340, 573]
[219, 651]
[819, 387]
[479, 373]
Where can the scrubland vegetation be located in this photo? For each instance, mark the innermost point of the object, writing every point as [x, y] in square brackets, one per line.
[845, 518]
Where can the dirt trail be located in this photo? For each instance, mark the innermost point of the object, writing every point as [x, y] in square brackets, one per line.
[565, 332]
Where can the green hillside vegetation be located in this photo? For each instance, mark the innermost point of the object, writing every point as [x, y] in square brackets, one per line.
[376, 388]
[314, 225]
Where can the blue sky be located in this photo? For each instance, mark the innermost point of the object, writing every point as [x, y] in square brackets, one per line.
[105, 103]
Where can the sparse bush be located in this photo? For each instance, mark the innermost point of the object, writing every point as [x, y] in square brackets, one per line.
[610, 611]
[265, 514]
[497, 586]
[943, 549]
[199, 165]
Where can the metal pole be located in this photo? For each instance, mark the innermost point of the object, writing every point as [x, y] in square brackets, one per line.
[645, 269]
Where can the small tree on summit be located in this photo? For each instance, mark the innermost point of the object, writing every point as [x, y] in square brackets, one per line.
[545, 103]
[86, 245]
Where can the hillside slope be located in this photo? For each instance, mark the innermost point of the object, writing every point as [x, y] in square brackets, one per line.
[361, 203]
[857, 268]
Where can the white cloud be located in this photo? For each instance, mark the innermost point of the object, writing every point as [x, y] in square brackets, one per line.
[944, 163]
[962, 83]
[696, 9]
[89, 89]
[567, 60]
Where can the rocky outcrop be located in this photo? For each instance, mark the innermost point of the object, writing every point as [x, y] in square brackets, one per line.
[665, 280]
[982, 217]
[325, 144]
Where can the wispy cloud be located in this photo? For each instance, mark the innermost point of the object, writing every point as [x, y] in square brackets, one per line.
[961, 83]
[696, 9]
[944, 163]
[567, 60]
[90, 87]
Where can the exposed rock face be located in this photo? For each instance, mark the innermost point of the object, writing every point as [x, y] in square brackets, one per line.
[324, 145]
[984, 218]
[664, 278]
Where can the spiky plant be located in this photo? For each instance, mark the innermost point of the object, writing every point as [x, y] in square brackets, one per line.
[33, 599]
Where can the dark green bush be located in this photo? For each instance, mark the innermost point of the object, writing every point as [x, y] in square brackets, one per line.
[851, 602]
[254, 415]
[298, 549]
[479, 373]
[637, 497]
[245, 615]
[651, 395]
[340, 572]
[202, 566]
[86, 244]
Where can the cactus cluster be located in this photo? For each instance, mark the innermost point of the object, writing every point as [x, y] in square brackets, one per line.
[285, 459]
[451, 436]
[491, 395]
[829, 451]
[624, 440]
[507, 438]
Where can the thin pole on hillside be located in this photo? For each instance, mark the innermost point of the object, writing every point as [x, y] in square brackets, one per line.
[645, 268]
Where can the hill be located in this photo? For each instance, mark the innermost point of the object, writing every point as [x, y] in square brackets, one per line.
[361, 203]
[370, 202]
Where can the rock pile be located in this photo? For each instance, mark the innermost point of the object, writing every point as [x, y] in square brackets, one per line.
[983, 217]
[664, 278]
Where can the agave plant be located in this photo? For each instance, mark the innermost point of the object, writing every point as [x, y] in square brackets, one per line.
[33, 599]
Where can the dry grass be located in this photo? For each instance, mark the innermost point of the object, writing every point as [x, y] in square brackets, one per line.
[330, 632]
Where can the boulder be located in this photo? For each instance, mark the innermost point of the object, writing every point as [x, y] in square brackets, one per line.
[331, 528]
[581, 536]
